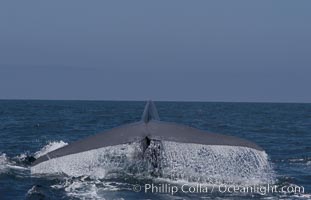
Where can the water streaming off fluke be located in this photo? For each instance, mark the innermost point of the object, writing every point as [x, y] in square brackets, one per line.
[169, 160]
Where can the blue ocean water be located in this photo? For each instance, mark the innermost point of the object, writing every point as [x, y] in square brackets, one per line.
[29, 128]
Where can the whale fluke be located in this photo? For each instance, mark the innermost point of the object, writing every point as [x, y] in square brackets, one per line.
[149, 128]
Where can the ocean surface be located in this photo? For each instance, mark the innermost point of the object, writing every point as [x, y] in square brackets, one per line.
[30, 128]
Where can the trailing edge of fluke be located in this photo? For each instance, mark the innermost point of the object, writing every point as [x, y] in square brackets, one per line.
[149, 128]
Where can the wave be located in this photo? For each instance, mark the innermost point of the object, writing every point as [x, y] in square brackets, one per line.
[299, 161]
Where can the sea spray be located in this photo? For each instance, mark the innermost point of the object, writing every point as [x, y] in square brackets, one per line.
[3, 162]
[51, 146]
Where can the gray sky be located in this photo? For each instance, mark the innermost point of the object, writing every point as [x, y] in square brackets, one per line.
[161, 50]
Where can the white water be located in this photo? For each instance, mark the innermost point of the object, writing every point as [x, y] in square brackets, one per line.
[89, 189]
[3, 163]
[51, 146]
[216, 164]
[7, 163]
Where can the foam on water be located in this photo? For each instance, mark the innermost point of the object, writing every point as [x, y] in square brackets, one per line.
[3, 163]
[169, 160]
[6, 164]
[19, 162]
[85, 188]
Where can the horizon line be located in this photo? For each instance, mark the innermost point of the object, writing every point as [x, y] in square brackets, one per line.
[136, 100]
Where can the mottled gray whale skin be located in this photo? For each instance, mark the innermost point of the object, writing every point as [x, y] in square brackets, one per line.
[149, 128]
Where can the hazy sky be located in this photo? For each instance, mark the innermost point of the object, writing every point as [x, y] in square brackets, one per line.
[161, 50]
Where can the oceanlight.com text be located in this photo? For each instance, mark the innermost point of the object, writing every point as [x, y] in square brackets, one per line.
[221, 188]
